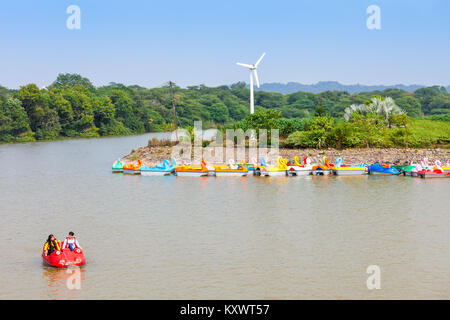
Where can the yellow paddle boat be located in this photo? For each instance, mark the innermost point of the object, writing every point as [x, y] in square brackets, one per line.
[272, 171]
[345, 170]
[190, 171]
[231, 170]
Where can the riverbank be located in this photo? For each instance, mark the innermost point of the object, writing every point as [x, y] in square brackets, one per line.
[153, 155]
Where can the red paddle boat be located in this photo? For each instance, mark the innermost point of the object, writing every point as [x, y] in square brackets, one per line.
[435, 172]
[65, 258]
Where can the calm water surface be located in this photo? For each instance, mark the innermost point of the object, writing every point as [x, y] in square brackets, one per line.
[215, 238]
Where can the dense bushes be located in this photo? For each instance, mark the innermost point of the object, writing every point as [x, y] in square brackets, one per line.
[417, 134]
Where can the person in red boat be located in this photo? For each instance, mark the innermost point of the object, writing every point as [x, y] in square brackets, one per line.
[51, 245]
[71, 242]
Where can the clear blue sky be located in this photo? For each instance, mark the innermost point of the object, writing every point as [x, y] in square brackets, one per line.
[199, 41]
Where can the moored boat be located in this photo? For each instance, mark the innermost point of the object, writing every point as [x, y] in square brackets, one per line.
[345, 170]
[131, 168]
[117, 166]
[297, 169]
[409, 169]
[191, 171]
[161, 169]
[400, 167]
[414, 172]
[272, 171]
[382, 169]
[436, 172]
[231, 170]
[324, 169]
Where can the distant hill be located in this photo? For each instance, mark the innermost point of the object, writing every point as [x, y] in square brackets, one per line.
[322, 86]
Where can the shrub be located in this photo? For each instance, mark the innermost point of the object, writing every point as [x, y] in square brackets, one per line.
[155, 142]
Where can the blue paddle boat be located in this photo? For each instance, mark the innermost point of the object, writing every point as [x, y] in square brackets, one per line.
[382, 169]
[161, 169]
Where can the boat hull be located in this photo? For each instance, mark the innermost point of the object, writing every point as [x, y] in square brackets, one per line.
[65, 258]
[117, 170]
[299, 172]
[383, 174]
[378, 169]
[134, 172]
[230, 174]
[322, 172]
[434, 175]
[155, 173]
[274, 173]
[191, 174]
[349, 172]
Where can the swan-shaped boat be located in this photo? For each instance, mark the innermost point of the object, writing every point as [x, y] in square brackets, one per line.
[65, 258]
[298, 169]
[190, 171]
[414, 172]
[131, 168]
[345, 170]
[382, 169]
[438, 165]
[231, 170]
[271, 171]
[161, 169]
[117, 166]
[436, 172]
[323, 169]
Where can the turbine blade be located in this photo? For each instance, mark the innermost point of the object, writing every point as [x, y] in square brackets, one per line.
[244, 65]
[259, 60]
[255, 75]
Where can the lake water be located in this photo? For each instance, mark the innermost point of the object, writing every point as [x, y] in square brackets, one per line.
[215, 238]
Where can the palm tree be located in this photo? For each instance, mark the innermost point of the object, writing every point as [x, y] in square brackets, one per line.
[384, 106]
[348, 112]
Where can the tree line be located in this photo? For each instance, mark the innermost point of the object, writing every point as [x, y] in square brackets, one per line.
[73, 107]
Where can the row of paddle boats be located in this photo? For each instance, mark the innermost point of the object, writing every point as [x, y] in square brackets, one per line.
[424, 169]
[280, 168]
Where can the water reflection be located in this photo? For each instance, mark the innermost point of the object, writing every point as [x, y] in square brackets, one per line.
[63, 283]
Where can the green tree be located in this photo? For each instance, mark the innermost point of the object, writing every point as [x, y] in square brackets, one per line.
[401, 121]
[368, 124]
[411, 106]
[262, 119]
[125, 105]
[14, 124]
[219, 112]
[71, 80]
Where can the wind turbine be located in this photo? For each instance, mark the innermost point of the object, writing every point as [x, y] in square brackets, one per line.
[253, 74]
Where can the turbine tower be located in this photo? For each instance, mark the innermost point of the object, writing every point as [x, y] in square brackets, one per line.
[253, 74]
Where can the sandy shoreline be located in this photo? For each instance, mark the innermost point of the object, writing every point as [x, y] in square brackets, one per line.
[153, 155]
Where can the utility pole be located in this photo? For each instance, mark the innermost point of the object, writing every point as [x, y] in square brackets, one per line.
[173, 110]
